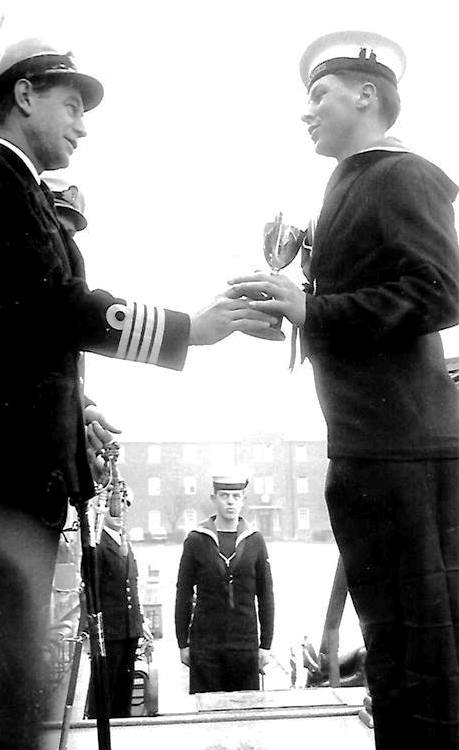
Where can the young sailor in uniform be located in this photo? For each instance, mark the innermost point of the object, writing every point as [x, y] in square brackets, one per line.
[383, 281]
[223, 641]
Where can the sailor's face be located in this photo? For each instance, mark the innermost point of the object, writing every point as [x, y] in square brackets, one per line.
[331, 115]
[55, 125]
[228, 503]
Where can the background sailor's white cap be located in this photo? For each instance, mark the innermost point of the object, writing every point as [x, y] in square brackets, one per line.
[32, 57]
[68, 198]
[232, 479]
[352, 50]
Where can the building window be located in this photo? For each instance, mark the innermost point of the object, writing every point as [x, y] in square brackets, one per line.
[302, 485]
[189, 485]
[303, 519]
[263, 485]
[154, 454]
[190, 519]
[154, 521]
[190, 454]
[263, 453]
[154, 486]
[301, 453]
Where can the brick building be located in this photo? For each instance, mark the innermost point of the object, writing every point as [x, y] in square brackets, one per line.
[171, 483]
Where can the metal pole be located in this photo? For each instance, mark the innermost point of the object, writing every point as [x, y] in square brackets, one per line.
[95, 624]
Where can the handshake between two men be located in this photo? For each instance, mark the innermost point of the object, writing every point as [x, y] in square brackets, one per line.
[253, 304]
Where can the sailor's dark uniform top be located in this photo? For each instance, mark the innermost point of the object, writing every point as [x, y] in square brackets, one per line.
[47, 316]
[225, 615]
[119, 595]
[384, 279]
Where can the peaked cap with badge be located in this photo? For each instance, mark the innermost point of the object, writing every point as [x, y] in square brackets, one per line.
[359, 51]
[33, 57]
[68, 199]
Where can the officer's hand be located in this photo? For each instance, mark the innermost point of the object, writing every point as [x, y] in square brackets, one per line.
[97, 465]
[99, 431]
[185, 656]
[264, 655]
[273, 294]
[229, 313]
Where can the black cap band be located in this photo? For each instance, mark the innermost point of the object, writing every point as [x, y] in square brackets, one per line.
[39, 65]
[359, 64]
[230, 485]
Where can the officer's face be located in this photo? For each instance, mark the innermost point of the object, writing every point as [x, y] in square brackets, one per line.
[228, 503]
[54, 126]
[332, 116]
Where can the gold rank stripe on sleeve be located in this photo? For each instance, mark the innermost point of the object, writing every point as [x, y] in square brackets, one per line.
[142, 330]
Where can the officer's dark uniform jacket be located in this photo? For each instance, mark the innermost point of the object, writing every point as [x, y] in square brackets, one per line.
[119, 593]
[224, 615]
[384, 279]
[48, 315]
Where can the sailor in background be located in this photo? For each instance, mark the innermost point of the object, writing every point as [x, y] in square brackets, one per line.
[227, 561]
[383, 281]
[122, 614]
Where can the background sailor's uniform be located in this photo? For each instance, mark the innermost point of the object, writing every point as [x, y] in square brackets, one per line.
[123, 621]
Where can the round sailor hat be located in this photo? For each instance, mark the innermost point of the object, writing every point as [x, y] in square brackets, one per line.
[232, 480]
[359, 51]
[32, 57]
[69, 199]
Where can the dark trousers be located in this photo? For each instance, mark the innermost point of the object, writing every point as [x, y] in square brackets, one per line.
[397, 528]
[212, 671]
[120, 669]
[27, 556]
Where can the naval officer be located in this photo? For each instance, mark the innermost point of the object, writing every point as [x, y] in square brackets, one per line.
[48, 315]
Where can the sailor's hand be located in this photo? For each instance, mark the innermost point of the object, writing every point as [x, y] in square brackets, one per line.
[185, 656]
[264, 655]
[273, 294]
[229, 313]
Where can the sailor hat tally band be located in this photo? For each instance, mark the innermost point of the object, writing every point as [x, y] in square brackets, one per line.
[230, 481]
[358, 51]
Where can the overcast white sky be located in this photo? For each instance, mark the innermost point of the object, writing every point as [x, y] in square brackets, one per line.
[197, 143]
